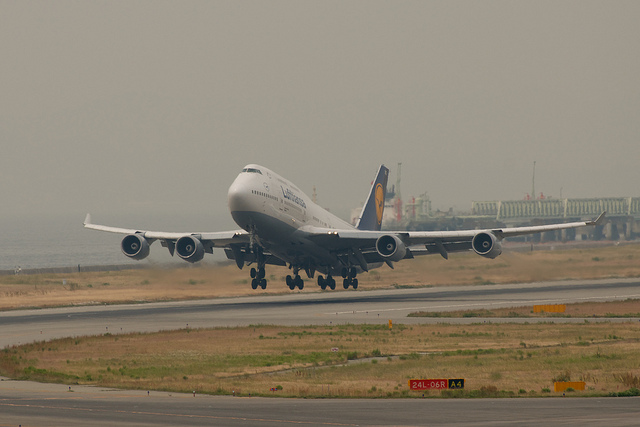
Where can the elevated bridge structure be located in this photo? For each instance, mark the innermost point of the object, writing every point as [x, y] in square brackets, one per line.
[623, 213]
[557, 208]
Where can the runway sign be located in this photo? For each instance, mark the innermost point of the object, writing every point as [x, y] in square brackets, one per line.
[563, 385]
[436, 384]
[456, 384]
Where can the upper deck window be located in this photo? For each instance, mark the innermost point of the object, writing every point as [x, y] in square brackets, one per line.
[251, 170]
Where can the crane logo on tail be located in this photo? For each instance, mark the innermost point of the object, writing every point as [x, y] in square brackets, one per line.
[379, 202]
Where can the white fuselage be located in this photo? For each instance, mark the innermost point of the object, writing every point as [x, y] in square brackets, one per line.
[273, 209]
[259, 192]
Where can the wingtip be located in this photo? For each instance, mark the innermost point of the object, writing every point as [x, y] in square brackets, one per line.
[87, 219]
[600, 220]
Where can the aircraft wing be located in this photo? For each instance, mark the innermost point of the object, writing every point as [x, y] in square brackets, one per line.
[220, 238]
[386, 246]
[421, 237]
[209, 240]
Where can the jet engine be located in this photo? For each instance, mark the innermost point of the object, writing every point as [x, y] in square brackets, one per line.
[391, 247]
[135, 246]
[486, 245]
[190, 248]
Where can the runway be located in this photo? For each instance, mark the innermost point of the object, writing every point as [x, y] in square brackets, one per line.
[361, 306]
[36, 404]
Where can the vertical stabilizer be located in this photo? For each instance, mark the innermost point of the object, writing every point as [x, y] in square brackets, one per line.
[371, 215]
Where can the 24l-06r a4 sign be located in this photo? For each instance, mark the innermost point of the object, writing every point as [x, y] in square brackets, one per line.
[441, 384]
[436, 384]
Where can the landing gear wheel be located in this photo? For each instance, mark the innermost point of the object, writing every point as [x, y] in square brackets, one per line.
[332, 283]
[263, 283]
[354, 283]
[253, 273]
[289, 281]
[254, 284]
[322, 282]
[345, 283]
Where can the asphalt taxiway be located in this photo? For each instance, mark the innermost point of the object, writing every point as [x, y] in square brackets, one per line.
[30, 404]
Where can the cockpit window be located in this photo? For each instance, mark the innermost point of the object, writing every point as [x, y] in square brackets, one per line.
[251, 170]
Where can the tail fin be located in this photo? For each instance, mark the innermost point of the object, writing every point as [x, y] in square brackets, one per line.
[371, 215]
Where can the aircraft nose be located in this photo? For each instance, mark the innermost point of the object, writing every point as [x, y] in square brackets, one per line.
[237, 198]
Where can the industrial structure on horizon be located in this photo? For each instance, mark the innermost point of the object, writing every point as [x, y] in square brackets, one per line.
[623, 214]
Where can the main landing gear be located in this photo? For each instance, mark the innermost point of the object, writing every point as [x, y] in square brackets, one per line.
[328, 282]
[257, 278]
[294, 282]
[349, 279]
[349, 276]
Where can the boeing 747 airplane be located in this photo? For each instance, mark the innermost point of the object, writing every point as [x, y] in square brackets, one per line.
[280, 225]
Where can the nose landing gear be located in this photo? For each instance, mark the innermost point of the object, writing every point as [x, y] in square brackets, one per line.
[258, 275]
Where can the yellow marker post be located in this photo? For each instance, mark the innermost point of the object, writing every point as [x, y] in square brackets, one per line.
[390, 324]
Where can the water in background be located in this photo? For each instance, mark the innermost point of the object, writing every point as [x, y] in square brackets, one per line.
[63, 242]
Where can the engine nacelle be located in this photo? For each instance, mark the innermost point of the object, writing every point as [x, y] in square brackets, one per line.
[486, 245]
[391, 247]
[190, 248]
[135, 246]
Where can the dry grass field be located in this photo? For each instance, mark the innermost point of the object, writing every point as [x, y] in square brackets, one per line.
[496, 360]
[196, 282]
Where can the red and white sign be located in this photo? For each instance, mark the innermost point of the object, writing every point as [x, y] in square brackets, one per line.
[440, 384]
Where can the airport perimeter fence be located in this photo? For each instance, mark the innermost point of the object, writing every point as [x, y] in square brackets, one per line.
[76, 269]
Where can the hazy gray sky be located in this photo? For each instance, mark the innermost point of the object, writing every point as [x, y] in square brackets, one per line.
[150, 108]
